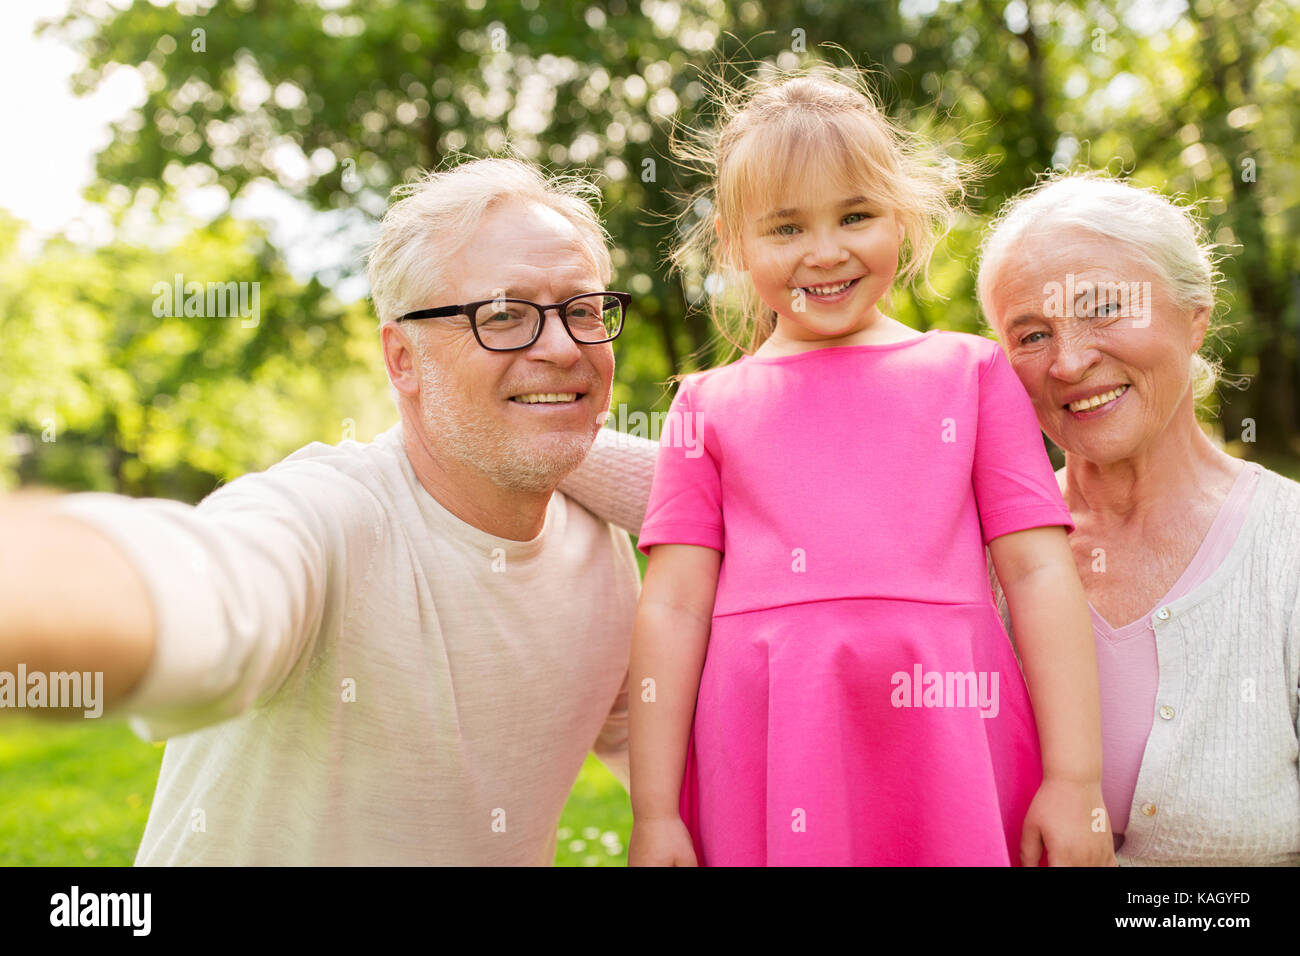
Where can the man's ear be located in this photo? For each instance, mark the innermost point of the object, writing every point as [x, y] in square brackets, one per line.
[400, 360]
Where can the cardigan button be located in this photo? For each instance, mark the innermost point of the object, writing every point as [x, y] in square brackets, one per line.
[1162, 614]
[1149, 809]
[1167, 712]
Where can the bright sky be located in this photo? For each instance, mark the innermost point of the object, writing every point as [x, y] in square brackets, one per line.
[53, 137]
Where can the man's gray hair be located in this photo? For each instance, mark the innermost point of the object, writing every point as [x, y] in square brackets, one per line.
[437, 213]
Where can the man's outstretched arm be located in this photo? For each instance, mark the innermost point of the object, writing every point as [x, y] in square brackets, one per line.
[194, 614]
[69, 598]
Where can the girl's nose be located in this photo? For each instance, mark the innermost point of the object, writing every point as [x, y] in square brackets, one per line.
[826, 250]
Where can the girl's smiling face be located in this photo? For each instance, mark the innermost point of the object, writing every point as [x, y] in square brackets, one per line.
[1108, 370]
[821, 261]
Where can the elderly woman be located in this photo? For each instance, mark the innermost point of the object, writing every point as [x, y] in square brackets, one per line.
[1102, 294]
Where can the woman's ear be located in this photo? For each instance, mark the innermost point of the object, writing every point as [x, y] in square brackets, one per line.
[1200, 326]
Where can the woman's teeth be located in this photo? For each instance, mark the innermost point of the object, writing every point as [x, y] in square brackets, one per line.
[1084, 404]
[828, 289]
[537, 397]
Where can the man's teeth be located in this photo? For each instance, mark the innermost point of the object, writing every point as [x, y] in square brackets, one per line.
[828, 289]
[1087, 403]
[537, 397]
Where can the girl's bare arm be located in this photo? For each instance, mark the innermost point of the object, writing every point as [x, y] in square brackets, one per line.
[1054, 635]
[673, 621]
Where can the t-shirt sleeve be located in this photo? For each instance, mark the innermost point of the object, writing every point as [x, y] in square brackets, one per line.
[239, 585]
[1015, 487]
[686, 494]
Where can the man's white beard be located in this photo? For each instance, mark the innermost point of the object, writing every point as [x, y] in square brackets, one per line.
[535, 465]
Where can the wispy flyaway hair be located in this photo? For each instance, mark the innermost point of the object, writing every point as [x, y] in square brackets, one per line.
[780, 131]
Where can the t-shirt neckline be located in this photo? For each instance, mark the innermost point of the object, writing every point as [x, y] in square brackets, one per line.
[437, 514]
[882, 347]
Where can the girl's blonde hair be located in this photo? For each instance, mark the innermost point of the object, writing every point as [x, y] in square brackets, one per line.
[778, 129]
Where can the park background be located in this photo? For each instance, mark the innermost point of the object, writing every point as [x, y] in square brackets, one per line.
[262, 139]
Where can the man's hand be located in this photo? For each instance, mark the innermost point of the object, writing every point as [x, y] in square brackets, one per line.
[69, 599]
[1063, 821]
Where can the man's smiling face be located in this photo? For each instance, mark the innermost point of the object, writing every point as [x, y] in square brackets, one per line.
[470, 397]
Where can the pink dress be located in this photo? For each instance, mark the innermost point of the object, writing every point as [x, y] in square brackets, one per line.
[860, 702]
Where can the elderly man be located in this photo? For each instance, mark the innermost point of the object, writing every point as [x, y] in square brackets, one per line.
[397, 652]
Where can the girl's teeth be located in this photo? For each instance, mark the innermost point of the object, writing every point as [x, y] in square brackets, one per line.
[1096, 400]
[828, 289]
[540, 397]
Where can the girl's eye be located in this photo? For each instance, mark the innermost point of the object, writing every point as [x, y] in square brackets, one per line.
[785, 229]
[857, 217]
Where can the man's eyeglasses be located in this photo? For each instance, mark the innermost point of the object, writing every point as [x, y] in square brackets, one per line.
[504, 325]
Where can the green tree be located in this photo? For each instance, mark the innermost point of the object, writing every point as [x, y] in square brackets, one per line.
[339, 101]
[107, 388]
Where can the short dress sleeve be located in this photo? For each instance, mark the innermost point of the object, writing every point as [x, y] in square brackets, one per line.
[1015, 487]
[686, 494]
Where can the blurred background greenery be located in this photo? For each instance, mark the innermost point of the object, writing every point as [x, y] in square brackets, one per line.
[331, 103]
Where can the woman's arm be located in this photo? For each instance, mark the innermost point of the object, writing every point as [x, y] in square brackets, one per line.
[1000, 601]
[613, 481]
[1054, 633]
[673, 621]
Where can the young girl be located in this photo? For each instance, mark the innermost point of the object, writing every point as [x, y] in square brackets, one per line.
[819, 674]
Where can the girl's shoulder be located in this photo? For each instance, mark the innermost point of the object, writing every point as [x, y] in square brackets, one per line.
[695, 382]
[940, 353]
[969, 346]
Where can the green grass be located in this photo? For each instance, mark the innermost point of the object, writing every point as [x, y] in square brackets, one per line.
[75, 794]
[596, 822]
[79, 795]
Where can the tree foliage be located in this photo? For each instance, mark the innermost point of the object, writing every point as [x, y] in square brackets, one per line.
[103, 392]
[337, 101]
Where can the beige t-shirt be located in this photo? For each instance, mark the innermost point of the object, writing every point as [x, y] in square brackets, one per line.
[349, 674]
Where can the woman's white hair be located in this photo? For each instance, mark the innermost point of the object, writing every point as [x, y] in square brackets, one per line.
[1168, 236]
[438, 212]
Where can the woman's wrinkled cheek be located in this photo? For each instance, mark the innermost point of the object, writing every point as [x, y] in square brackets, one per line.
[1032, 368]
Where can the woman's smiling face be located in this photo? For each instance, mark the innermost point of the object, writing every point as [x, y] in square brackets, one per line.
[1097, 341]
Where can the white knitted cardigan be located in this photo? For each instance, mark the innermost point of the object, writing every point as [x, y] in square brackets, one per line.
[1219, 783]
